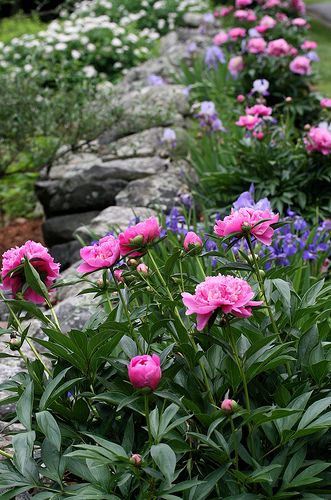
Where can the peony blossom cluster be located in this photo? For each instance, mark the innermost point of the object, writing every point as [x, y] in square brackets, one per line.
[102, 254]
[301, 65]
[279, 48]
[248, 220]
[318, 139]
[225, 293]
[39, 258]
[135, 239]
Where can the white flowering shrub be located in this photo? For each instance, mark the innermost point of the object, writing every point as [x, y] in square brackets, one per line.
[99, 38]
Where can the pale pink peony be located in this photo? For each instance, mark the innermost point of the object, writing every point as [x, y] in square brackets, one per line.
[325, 103]
[270, 4]
[104, 253]
[248, 220]
[135, 239]
[118, 273]
[299, 22]
[145, 371]
[220, 38]
[301, 65]
[240, 98]
[279, 48]
[256, 45]
[229, 405]
[248, 121]
[142, 268]
[259, 110]
[236, 65]
[225, 11]
[230, 295]
[268, 21]
[318, 139]
[235, 33]
[192, 242]
[309, 45]
[245, 15]
[243, 3]
[39, 258]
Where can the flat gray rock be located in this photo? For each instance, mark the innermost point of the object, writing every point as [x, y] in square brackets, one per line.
[322, 11]
[60, 229]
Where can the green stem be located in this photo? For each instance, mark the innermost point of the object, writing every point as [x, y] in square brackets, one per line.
[240, 367]
[181, 275]
[150, 437]
[118, 288]
[56, 321]
[261, 286]
[5, 454]
[35, 352]
[200, 266]
[235, 444]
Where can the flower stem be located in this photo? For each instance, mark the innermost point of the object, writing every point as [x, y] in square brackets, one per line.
[235, 445]
[35, 352]
[150, 437]
[5, 454]
[240, 367]
[261, 286]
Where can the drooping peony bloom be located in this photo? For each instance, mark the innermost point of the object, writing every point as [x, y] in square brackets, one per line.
[248, 121]
[235, 33]
[229, 405]
[135, 239]
[39, 258]
[318, 139]
[301, 65]
[248, 220]
[256, 45]
[279, 48]
[259, 110]
[325, 103]
[226, 293]
[309, 45]
[145, 371]
[220, 38]
[192, 242]
[104, 253]
[236, 65]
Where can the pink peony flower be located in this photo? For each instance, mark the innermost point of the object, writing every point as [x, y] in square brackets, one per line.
[230, 295]
[136, 238]
[229, 405]
[281, 17]
[318, 139]
[259, 110]
[225, 11]
[236, 65]
[256, 45]
[325, 103]
[240, 98]
[192, 242]
[220, 38]
[278, 48]
[242, 3]
[299, 5]
[145, 371]
[270, 4]
[248, 220]
[268, 21]
[309, 45]
[104, 253]
[235, 33]
[300, 65]
[39, 258]
[118, 273]
[142, 268]
[299, 22]
[248, 121]
[258, 135]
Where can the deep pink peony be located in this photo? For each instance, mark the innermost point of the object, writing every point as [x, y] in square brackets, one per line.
[235, 33]
[247, 219]
[135, 239]
[104, 253]
[243, 3]
[240, 98]
[300, 65]
[325, 103]
[231, 295]
[279, 48]
[145, 371]
[248, 121]
[309, 45]
[225, 11]
[192, 242]
[39, 258]
[259, 110]
[318, 139]
[236, 65]
[245, 15]
[220, 38]
[270, 4]
[256, 45]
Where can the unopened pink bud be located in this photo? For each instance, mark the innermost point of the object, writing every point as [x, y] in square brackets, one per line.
[136, 459]
[192, 242]
[118, 275]
[142, 268]
[229, 405]
[288, 99]
[240, 98]
[258, 135]
[145, 371]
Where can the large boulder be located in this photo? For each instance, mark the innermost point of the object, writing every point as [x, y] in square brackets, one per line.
[61, 228]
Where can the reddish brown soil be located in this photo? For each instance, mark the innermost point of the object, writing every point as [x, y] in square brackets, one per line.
[18, 231]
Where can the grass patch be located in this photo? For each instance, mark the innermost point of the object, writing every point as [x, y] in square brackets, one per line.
[322, 35]
[18, 25]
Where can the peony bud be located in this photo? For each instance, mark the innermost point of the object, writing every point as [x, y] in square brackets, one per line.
[145, 371]
[142, 268]
[240, 98]
[118, 275]
[288, 99]
[192, 243]
[132, 262]
[229, 406]
[136, 459]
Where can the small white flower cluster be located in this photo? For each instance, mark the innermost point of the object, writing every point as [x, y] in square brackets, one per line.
[99, 38]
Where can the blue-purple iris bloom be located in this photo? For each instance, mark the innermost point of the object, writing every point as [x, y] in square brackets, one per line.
[213, 57]
[208, 117]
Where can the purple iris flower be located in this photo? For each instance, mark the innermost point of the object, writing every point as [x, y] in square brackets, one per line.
[155, 80]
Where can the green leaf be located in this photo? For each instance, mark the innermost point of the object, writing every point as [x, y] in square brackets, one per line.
[52, 391]
[23, 448]
[165, 459]
[24, 406]
[311, 295]
[33, 279]
[313, 411]
[49, 428]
